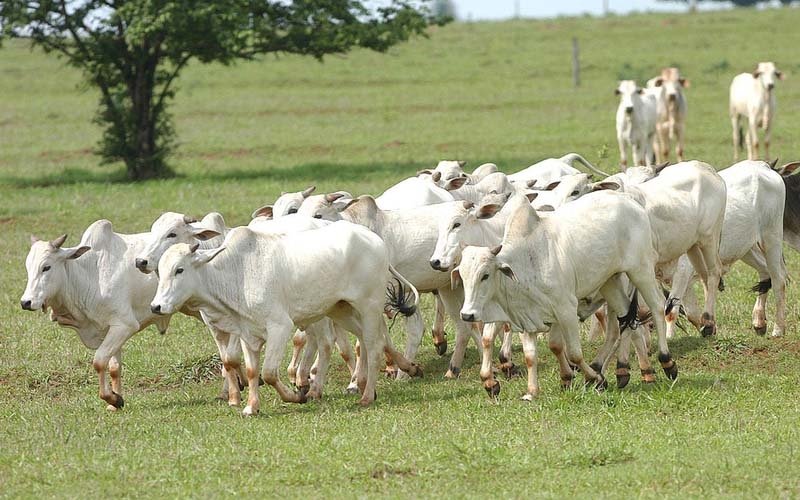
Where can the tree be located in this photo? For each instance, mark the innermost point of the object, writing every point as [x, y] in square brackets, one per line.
[133, 50]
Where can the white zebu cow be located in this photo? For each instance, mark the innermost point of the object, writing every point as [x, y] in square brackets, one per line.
[410, 236]
[686, 206]
[671, 111]
[496, 182]
[752, 95]
[541, 174]
[753, 233]
[413, 192]
[451, 173]
[259, 286]
[636, 123]
[547, 267]
[568, 188]
[94, 289]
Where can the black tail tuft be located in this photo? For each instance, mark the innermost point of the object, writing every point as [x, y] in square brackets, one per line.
[721, 285]
[629, 320]
[762, 286]
[400, 300]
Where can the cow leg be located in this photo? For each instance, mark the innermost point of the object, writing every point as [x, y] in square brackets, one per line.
[680, 286]
[452, 300]
[415, 328]
[490, 383]
[568, 321]
[597, 328]
[352, 387]
[298, 343]
[531, 362]
[771, 272]
[251, 354]
[373, 334]
[707, 264]
[623, 154]
[751, 139]
[308, 358]
[278, 335]
[679, 140]
[342, 340]
[437, 330]
[115, 371]
[644, 280]
[112, 345]
[557, 347]
[736, 136]
[230, 350]
[507, 365]
[324, 334]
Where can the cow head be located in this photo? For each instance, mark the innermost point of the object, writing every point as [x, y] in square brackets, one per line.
[171, 228]
[627, 90]
[768, 74]
[178, 277]
[326, 206]
[480, 270]
[449, 170]
[46, 265]
[286, 204]
[454, 230]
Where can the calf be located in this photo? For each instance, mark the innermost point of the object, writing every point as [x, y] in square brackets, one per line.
[671, 112]
[94, 289]
[752, 95]
[636, 123]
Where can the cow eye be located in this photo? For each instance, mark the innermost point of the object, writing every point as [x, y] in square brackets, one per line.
[485, 277]
[318, 216]
[171, 235]
[292, 211]
[457, 224]
[45, 268]
[575, 193]
[179, 270]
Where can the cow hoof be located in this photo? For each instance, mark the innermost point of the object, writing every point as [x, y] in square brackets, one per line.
[249, 411]
[303, 389]
[708, 330]
[302, 397]
[601, 384]
[527, 397]
[111, 408]
[492, 388]
[623, 379]
[352, 389]
[761, 330]
[415, 371]
[118, 402]
[222, 396]
[672, 371]
[441, 347]
[453, 372]
[510, 370]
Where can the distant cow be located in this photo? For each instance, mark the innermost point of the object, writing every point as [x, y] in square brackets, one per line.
[752, 96]
[94, 289]
[636, 123]
[671, 112]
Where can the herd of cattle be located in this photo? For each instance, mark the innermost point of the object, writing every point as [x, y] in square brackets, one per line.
[650, 119]
[534, 251]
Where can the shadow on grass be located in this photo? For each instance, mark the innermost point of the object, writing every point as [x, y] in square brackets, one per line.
[312, 172]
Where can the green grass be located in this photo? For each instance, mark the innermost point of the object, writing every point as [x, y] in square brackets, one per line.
[480, 92]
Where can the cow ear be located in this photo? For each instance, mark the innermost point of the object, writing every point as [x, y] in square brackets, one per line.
[34, 239]
[456, 183]
[462, 163]
[617, 92]
[487, 211]
[74, 253]
[552, 185]
[756, 74]
[206, 256]
[639, 90]
[427, 171]
[531, 195]
[610, 185]
[205, 234]
[789, 168]
[780, 75]
[265, 211]
[659, 82]
[436, 176]
[546, 208]
[506, 269]
[455, 278]
[685, 82]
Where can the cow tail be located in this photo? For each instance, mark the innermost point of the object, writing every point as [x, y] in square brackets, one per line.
[571, 157]
[398, 299]
[630, 319]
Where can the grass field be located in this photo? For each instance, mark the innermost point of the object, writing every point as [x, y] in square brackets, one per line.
[502, 92]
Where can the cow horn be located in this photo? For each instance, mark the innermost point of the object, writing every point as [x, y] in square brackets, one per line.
[56, 243]
[773, 163]
[496, 249]
[308, 191]
[194, 247]
[331, 197]
[468, 204]
[462, 163]
[34, 239]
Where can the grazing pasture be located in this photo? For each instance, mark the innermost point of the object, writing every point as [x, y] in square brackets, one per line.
[500, 92]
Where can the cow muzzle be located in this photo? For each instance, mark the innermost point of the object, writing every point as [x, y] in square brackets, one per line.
[629, 110]
[156, 309]
[26, 304]
[437, 265]
[141, 264]
[468, 317]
